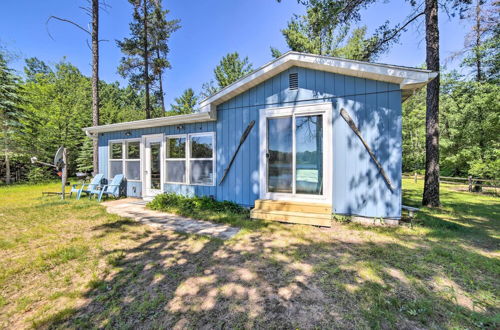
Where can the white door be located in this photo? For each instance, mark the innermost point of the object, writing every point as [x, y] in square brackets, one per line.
[153, 165]
[295, 161]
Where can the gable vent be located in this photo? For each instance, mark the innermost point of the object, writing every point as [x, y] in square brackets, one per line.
[293, 81]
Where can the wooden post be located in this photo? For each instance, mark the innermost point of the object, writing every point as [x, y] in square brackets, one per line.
[469, 179]
[64, 174]
[415, 177]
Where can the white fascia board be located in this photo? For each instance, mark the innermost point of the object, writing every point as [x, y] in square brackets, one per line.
[202, 116]
[407, 78]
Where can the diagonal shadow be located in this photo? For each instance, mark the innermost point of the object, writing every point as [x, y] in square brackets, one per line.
[282, 277]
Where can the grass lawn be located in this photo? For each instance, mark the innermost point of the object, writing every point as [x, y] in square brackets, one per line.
[69, 264]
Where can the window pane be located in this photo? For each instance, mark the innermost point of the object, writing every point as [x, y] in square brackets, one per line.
[176, 171]
[202, 172]
[116, 150]
[155, 165]
[309, 155]
[133, 150]
[133, 170]
[176, 147]
[115, 167]
[280, 155]
[201, 147]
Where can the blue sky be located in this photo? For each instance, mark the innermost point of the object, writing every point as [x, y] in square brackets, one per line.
[210, 29]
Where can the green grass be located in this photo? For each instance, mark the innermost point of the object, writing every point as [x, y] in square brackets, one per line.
[69, 264]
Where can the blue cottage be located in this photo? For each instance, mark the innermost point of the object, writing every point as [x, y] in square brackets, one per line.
[301, 160]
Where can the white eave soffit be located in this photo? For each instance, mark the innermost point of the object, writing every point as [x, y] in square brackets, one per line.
[407, 78]
[201, 116]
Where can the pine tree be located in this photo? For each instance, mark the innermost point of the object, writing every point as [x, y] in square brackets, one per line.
[186, 103]
[95, 81]
[313, 33]
[482, 41]
[229, 69]
[325, 29]
[431, 187]
[11, 111]
[161, 30]
[93, 12]
[84, 159]
[35, 67]
[145, 52]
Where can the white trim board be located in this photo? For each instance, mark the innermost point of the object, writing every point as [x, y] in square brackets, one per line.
[324, 109]
[155, 138]
[409, 79]
[155, 122]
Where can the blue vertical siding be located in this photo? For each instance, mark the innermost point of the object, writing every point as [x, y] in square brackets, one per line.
[135, 188]
[357, 188]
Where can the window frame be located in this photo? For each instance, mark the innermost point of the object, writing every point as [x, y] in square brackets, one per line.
[125, 159]
[324, 109]
[187, 159]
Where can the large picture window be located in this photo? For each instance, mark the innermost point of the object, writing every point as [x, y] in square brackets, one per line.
[125, 158]
[190, 159]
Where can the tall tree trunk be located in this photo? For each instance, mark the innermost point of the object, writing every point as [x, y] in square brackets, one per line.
[6, 153]
[146, 59]
[95, 80]
[7, 167]
[64, 176]
[160, 81]
[477, 45]
[431, 186]
[162, 97]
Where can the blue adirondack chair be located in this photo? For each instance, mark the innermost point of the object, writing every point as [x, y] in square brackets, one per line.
[86, 188]
[111, 189]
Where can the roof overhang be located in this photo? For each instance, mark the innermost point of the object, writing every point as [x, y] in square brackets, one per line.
[409, 79]
[202, 116]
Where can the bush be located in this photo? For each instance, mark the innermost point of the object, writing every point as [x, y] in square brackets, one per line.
[38, 175]
[194, 204]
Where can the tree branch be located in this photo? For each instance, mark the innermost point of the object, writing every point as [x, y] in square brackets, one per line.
[63, 20]
[104, 6]
[86, 10]
[402, 27]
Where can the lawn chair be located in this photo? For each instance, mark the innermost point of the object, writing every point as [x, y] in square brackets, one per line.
[96, 182]
[111, 189]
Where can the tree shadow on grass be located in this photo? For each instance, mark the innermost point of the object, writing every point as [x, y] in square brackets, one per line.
[120, 225]
[285, 277]
[474, 223]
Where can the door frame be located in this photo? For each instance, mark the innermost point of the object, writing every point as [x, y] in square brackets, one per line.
[144, 140]
[325, 109]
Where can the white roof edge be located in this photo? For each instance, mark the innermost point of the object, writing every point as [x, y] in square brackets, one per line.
[408, 78]
[155, 122]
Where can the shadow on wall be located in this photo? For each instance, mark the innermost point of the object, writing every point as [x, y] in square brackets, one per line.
[377, 114]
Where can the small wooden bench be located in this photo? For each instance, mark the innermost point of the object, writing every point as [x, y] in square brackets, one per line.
[411, 212]
[51, 193]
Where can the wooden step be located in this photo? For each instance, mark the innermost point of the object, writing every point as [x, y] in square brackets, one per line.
[315, 219]
[291, 206]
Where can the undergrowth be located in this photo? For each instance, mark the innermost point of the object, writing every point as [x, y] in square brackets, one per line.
[204, 208]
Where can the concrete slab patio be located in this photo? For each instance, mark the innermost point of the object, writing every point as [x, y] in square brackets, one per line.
[136, 209]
